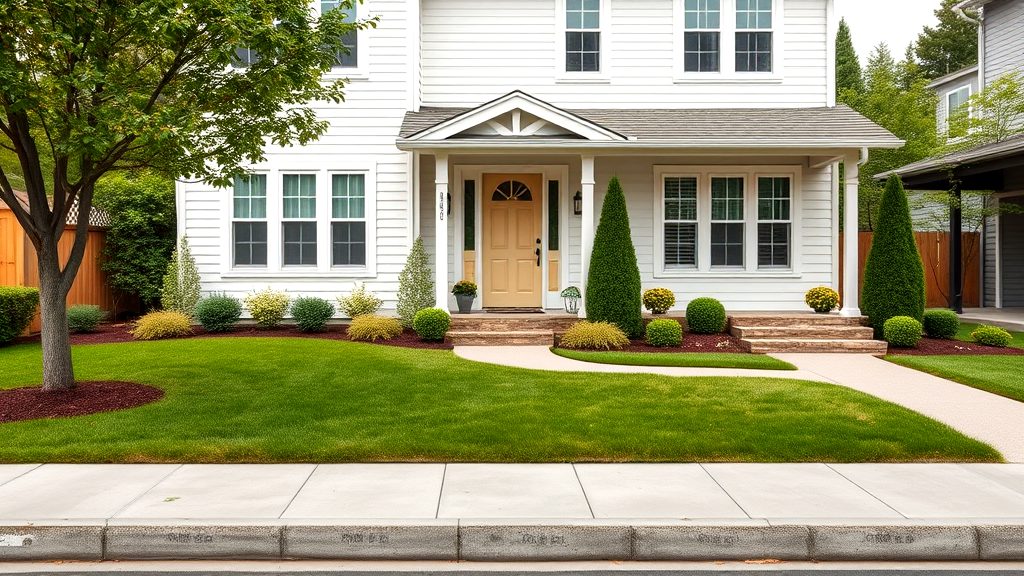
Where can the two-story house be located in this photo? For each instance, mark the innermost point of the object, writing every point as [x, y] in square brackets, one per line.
[492, 129]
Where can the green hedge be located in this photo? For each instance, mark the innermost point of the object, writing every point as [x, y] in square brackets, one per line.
[941, 324]
[902, 331]
[664, 332]
[432, 324]
[17, 307]
[613, 283]
[218, 313]
[706, 316]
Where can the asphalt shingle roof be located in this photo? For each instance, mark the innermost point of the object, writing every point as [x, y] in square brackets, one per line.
[1010, 147]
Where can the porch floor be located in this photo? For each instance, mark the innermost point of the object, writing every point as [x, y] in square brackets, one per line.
[1009, 318]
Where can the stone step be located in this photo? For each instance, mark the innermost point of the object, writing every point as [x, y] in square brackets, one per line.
[772, 345]
[794, 320]
[507, 338]
[511, 324]
[837, 332]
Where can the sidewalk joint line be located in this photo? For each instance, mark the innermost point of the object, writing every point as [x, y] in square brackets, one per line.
[30, 470]
[296, 495]
[866, 491]
[440, 493]
[144, 492]
[719, 484]
[582, 489]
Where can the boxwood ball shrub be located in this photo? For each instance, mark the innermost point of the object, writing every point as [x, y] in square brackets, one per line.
[902, 331]
[84, 318]
[432, 324]
[267, 307]
[162, 324]
[17, 307]
[311, 314]
[613, 284]
[992, 336]
[594, 336]
[360, 301]
[218, 313]
[664, 332]
[941, 324]
[705, 316]
[659, 300]
[371, 327]
[822, 299]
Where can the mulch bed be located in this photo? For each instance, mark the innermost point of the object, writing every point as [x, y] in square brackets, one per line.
[936, 347]
[85, 398]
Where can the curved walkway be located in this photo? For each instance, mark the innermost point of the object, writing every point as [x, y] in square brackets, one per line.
[993, 419]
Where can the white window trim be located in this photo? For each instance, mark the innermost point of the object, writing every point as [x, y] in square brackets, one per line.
[704, 175]
[944, 127]
[230, 251]
[315, 220]
[331, 219]
[727, 73]
[601, 77]
[361, 70]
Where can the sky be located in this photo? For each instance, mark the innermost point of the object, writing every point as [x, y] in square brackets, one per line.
[895, 22]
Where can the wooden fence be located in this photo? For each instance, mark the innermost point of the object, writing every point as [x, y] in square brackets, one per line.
[934, 250]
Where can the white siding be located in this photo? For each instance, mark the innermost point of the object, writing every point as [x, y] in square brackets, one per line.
[474, 51]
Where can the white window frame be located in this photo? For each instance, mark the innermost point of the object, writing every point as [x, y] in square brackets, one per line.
[314, 220]
[750, 175]
[948, 112]
[727, 73]
[233, 219]
[333, 220]
[360, 71]
[743, 177]
[791, 221]
[603, 75]
[738, 30]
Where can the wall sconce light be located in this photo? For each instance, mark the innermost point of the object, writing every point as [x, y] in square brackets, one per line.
[577, 203]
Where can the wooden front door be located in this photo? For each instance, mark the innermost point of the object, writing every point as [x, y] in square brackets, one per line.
[512, 248]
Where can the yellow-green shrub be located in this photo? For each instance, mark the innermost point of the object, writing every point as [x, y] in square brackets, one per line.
[659, 300]
[267, 307]
[370, 328]
[822, 299]
[594, 336]
[164, 324]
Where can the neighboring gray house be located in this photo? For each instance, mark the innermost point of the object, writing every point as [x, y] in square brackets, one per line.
[953, 91]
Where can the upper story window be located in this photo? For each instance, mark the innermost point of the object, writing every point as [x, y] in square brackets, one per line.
[703, 37]
[956, 101]
[244, 57]
[348, 58]
[583, 35]
[753, 35]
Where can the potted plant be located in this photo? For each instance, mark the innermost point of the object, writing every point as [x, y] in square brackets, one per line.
[822, 299]
[465, 294]
[572, 296]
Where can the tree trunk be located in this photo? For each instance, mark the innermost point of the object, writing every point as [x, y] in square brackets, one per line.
[58, 373]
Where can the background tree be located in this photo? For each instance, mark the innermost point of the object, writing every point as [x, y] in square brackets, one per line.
[104, 85]
[613, 283]
[993, 115]
[950, 46]
[849, 75]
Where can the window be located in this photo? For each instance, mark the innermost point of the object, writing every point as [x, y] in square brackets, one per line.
[583, 35]
[299, 219]
[956, 101]
[680, 222]
[244, 57]
[348, 220]
[469, 218]
[702, 39]
[727, 222]
[754, 35]
[774, 222]
[347, 58]
[249, 220]
[553, 215]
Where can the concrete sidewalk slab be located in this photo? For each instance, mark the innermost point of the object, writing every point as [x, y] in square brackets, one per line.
[9, 472]
[370, 491]
[1007, 475]
[512, 491]
[654, 491]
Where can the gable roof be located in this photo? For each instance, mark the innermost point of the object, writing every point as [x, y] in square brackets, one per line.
[948, 78]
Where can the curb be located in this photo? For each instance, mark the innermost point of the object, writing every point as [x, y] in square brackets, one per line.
[513, 540]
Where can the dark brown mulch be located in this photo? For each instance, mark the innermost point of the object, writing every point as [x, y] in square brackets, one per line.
[935, 347]
[85, 398]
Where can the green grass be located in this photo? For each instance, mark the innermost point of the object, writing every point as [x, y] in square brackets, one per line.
[678, 359]
[308, 400]
[965, 335]
[997, 374]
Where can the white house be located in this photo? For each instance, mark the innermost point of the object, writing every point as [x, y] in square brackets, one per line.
[491, 129]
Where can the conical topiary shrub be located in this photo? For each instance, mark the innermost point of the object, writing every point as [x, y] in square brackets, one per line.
[894, 275]
[613, 285]
[415, 285]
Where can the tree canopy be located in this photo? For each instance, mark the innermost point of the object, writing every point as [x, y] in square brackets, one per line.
[849, 75]
[949, 46]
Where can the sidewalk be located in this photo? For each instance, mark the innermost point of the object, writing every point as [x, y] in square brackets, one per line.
[513, 512]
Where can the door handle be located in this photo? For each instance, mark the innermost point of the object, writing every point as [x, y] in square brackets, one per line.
[537, 252]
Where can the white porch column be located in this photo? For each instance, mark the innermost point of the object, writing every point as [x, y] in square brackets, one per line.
[441, 229]
[851, 233]
[586, 227]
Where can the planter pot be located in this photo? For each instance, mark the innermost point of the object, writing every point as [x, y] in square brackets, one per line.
[465, 303]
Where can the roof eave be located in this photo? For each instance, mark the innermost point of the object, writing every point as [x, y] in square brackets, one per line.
[830, 143]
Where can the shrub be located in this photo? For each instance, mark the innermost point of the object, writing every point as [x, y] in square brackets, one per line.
[822, 299]
[17, 307]
[664, 332]
[941, 324]
[312, 314]
[705, 316]
[415, 285]
[432, 323]
[613, 284]
[992, 336]
[268, 307]
[218, 313]
[163, 324]
[361, 301]
[659, 300]
[465, 288]
[370, 328]
[902, 331]
[594, 336]
[84, 318]
[181, 283]
[894, 274]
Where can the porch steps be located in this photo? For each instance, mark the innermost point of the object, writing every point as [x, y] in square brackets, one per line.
[763, 334]
[499, 338]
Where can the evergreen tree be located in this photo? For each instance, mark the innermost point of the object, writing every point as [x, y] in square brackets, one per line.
[950, 46]
[849, 79]
[894, 273]
[181, 291]
[613, 284]
[415, 285]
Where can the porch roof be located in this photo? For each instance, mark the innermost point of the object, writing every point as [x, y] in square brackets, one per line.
[977, 168]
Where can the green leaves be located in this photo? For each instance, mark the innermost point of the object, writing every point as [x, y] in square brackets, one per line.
[613, 284]
[950, 46]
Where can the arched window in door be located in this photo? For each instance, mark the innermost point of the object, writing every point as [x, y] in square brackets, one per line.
[512, 190]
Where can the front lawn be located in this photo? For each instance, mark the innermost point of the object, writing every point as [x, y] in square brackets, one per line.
[997, 374]
[965, 335]
[310, 400]
[678, 359]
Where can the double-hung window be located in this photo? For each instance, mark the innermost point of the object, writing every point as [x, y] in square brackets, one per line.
[249, 220]
[774, 222]
[583, 35]
[956, 103]
[702, 39]
[298, 226]
[349, 57]
[727, 228]
[754, 35]
[680, 206]
[244, 57]
[348, 220]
